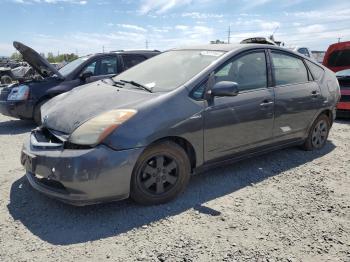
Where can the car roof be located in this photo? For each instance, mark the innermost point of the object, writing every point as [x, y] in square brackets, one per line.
[134, 51]
[227, 47]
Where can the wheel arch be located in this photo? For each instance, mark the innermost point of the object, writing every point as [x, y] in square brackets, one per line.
[326, 111]
[184, 144]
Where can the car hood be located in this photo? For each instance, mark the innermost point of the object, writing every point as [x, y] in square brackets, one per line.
[40, 64]
[67, 111]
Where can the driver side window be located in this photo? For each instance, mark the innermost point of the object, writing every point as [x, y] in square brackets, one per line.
[248, 71]
[91, 68]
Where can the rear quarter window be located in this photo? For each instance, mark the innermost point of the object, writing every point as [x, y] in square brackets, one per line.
[316, 71]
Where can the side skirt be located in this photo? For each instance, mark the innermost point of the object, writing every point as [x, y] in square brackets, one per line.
[245, 155]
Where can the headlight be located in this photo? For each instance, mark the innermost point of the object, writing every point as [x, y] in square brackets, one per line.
[98, 128]
[19, 93]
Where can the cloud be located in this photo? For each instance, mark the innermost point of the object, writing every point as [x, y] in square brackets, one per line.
[161, 6]
[312, 29]
[133, 27]
[181, 27]
[269, 25]
[197, 15]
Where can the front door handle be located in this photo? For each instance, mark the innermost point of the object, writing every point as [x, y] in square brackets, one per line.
[266, 103]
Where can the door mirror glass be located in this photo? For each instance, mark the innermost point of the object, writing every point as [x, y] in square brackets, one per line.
[224, 88]
[86, 75]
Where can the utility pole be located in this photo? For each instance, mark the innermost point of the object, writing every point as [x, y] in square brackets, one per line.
[339, 39]
[229, 34]
[146, 43]
[103, 49]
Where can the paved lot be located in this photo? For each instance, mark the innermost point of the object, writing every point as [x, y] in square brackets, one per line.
[288, 205]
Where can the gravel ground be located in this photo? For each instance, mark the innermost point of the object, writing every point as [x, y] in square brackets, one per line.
[288, 205]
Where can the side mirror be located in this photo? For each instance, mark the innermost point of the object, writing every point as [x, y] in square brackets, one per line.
[224, 88]
[86, 75]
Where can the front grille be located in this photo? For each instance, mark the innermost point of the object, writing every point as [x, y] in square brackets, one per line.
[68, 145]
[345, 98]
[46, 137]
[43, 135]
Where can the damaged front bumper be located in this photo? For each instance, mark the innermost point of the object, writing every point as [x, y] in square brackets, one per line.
[78, 176]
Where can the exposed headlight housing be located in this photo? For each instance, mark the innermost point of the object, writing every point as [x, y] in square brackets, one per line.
[19, 93]
[95, 130]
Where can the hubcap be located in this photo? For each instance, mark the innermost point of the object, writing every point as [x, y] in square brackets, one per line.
[319, 134]
[159, 174]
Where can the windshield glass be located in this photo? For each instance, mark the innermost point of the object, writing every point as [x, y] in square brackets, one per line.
[68, 68]
[169, 70]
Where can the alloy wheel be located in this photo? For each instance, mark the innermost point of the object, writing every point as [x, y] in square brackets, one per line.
[319, 134]
[159, 174]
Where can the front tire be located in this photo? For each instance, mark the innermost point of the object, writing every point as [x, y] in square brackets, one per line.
[318, 134]
[160, 174]
[6, 80]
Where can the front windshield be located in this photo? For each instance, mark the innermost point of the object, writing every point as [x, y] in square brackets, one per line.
[68, 68]
[169, 70]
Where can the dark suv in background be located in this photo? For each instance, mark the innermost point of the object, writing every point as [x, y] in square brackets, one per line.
[25, 100]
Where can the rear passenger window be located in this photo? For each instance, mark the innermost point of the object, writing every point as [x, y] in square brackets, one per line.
[316, 71]
[108, 66]
[289, 69]
[248, 71]
[131, 60]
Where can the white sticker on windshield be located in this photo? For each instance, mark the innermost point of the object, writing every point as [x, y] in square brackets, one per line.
[211, 53]
[150, 85]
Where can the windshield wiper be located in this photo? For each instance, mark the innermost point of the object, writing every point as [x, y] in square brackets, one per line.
[137, 85]
[111, 81]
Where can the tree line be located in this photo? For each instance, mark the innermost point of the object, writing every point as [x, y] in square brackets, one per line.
[50, 57]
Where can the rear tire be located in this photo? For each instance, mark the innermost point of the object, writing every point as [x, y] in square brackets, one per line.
[318, 134]
[37, 112]
[6, 80]
[160, 174]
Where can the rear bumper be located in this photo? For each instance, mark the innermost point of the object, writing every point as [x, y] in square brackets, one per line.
[17, 109]
[80, 176]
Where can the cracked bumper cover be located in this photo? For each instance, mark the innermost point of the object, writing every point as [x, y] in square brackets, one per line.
[80, 176]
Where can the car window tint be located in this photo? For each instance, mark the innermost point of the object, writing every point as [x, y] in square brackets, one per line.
[248, 71]
[289, 69]
[131, 60]
[316, 70]
[108, 66]
[198, 92]
[91, 68]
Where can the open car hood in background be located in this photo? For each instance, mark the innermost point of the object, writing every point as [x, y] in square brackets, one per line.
[40, 64]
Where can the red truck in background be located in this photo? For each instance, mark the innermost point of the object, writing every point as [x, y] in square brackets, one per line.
[337, 59]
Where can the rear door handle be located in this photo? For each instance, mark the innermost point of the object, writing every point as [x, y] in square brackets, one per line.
[266, 103]
[314, 93]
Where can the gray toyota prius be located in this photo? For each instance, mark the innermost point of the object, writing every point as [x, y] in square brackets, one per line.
[144, 132]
